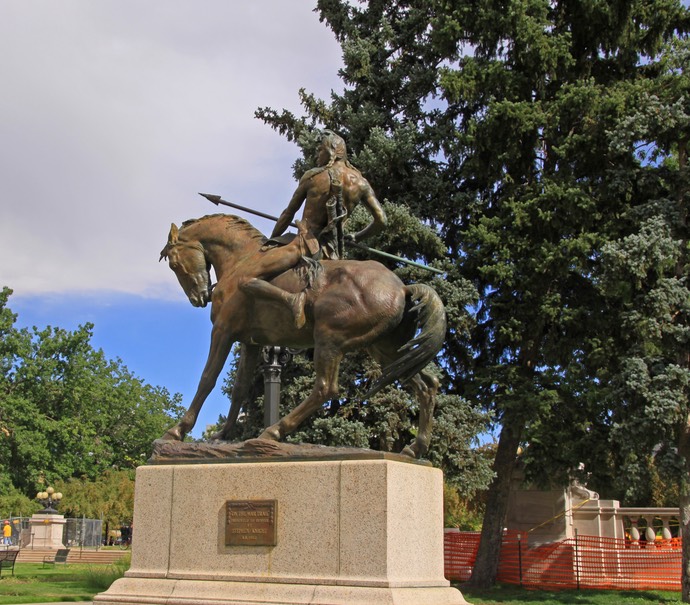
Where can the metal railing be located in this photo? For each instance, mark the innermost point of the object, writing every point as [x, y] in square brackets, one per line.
[76, 533]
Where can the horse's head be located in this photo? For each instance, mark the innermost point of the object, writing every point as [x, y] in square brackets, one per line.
[188, 260]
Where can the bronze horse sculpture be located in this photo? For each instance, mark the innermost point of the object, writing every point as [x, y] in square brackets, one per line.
[350, 305]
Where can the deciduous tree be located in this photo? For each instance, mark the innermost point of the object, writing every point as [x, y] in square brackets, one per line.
[67, 411]
[109, 497]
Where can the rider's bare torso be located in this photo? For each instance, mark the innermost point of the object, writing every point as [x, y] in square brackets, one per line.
[329, 194]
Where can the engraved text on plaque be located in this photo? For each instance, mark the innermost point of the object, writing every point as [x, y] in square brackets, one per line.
[250, 523]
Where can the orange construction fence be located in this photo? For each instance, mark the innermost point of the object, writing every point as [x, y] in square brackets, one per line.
[582, 562]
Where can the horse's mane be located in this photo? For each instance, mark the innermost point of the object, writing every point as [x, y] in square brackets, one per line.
[233, 222]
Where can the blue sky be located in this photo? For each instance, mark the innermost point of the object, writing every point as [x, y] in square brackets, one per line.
[114, 114]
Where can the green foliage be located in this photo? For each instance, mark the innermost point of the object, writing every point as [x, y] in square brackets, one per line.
[109, 497]
[455, 447]
[13, 503]
[462, 514]
[66, 411]
[546, 142]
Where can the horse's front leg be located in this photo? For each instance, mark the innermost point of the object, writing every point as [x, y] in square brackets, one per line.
[221, 343]
[249, 359]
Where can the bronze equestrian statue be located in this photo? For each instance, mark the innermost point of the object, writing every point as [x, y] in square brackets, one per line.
[349, 305]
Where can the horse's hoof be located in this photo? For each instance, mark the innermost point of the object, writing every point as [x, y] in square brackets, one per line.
[173, 434]
[219, 436]
[270, 434]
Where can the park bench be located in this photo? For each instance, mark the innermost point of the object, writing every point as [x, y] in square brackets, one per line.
[59, 557]
[7, 560]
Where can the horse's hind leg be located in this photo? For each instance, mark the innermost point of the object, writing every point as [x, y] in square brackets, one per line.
[326, 366]
[249, 359]
[425, 387]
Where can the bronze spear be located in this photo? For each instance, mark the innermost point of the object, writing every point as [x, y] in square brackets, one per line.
[216, 199]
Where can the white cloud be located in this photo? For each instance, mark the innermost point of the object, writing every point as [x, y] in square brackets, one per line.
[115, 113]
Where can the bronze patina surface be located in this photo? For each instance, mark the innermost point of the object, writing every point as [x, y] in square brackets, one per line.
[349, 305]
[251, 523]
[262, 450]
[329, 194]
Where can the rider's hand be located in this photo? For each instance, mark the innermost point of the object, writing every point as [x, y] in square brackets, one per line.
[302, 227]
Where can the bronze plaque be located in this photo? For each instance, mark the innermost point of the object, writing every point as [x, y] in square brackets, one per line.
[250, 523]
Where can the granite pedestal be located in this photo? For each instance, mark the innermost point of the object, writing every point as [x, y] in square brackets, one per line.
[46, 531]
[347, 531]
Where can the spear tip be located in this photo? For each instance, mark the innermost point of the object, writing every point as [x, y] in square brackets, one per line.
[211, 198]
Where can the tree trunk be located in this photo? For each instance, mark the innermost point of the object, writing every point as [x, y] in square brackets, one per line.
[486, 564]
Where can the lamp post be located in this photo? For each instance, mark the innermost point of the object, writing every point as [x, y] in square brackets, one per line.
[49, 499]
[274, 359]
[47, 525]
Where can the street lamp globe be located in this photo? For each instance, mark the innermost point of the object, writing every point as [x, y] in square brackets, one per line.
[49, 499]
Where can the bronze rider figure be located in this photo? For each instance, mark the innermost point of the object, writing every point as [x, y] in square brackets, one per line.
[329, 192]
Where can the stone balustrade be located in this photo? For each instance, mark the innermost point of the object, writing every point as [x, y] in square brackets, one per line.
[550, 516]
[659, 526]
[639, 526]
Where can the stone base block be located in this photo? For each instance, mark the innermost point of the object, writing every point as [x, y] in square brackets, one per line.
[204, 592]
[363, 532]
[46, 531]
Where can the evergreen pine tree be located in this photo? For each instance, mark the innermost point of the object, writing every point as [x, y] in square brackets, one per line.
[503, 127]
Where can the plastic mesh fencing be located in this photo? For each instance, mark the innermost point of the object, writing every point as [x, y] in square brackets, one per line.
[582, 562]
[459, 553]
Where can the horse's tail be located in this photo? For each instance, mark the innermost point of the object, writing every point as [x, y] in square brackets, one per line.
[419, 351]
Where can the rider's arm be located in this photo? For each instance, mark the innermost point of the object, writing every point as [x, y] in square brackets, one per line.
[377, 213]
[289, 213]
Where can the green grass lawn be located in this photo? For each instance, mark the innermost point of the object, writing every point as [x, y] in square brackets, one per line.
[515, 595]
[34, 584]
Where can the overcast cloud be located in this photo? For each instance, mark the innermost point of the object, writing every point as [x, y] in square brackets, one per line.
[115, 113]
